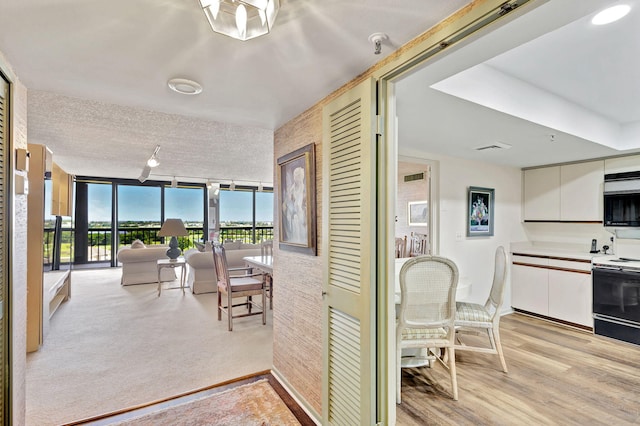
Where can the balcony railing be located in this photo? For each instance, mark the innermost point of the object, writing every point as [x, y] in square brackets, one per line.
[99, 240]
[245, 234]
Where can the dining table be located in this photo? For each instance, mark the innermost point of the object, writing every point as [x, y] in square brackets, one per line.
[263, 263]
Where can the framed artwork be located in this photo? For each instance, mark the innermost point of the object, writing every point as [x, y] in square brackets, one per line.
[480, 211]
[296, 182]
[418, 213]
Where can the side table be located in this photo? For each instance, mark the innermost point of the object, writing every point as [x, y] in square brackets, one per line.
[173, 264]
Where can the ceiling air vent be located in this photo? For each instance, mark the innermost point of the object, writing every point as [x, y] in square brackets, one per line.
[415, 176]
[495, 145]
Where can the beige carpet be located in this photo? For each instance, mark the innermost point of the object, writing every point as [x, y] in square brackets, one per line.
[112, 347]
[253, 404]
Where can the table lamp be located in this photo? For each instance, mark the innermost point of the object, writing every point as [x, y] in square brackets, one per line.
[173, 228]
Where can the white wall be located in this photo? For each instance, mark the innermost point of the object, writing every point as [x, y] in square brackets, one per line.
[474, 255]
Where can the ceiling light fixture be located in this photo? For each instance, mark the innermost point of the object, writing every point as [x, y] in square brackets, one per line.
[260, 187]
[174, 182]
[232, 187]
[611, 14]
[184, 86]
[153, 161]
[241, 19]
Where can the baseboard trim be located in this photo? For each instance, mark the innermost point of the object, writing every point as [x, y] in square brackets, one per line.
[313, 415]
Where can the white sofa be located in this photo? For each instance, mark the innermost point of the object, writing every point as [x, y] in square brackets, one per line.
[201, 273]
[139, 264]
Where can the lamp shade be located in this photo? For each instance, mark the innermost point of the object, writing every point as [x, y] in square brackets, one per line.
[173, 228]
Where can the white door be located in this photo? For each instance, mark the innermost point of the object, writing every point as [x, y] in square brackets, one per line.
[349, 250]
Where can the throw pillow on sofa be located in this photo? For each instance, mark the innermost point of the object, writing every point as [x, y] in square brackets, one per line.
[199, 246]
[232, 245]
[137, 244]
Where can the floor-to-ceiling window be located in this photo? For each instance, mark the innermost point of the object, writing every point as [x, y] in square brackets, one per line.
[110, 213]
[246, 214]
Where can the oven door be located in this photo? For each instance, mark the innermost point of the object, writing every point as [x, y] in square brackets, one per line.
[616, 294]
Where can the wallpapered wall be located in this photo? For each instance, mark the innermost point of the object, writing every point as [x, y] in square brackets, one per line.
[410, 192]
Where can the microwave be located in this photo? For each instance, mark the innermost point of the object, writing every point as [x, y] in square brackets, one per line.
[622, 199]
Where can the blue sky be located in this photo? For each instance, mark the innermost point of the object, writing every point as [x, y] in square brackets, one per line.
[143, 203]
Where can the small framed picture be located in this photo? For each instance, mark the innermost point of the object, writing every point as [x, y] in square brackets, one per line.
[480, 211]
[418, 213]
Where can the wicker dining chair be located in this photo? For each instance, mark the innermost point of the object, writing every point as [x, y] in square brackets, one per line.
[474, 318]
[419, 244]
[231, 287]
[401, 247]
[427, 313]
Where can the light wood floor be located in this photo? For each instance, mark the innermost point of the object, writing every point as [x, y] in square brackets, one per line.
[557, 376]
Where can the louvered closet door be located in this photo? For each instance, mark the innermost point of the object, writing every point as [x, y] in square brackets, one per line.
[4, 308]
[349, 253]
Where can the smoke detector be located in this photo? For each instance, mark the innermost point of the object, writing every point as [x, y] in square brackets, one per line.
[377, 39]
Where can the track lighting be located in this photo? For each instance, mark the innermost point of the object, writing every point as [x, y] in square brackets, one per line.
[154, 161]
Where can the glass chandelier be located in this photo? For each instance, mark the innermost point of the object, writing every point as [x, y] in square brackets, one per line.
[241, 19]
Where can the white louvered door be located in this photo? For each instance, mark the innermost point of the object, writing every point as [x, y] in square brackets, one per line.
[349, 385]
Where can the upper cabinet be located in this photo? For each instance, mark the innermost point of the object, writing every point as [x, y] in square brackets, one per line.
[568, 193]
[581, 191]
[62, 192]
[542, 194]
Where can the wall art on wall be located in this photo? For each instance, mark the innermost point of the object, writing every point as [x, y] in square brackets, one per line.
[480, 211]
[418, 213]
[297, 200]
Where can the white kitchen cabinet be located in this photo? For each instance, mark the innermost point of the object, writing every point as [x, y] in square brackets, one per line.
[570, 193]
[542, 194]
[558, 288]
[581, 191]
[570, 297]
[530, 289]
[630, 163]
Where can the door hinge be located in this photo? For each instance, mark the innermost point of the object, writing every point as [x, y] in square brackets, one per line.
[379, 125]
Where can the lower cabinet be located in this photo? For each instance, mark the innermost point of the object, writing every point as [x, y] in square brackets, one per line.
[553, 287]
[530, 289]
[570, 297]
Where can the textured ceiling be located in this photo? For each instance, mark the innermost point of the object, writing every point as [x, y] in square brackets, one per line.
[97, 73]
[117, 57]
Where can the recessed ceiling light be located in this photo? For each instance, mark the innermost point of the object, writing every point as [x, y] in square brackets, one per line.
[184, 86]
[611, 14]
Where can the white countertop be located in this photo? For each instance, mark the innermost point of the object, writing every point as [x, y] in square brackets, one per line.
[573, 251]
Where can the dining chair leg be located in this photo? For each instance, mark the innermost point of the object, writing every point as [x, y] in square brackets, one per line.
[219, 305]
[398, 375]
[230, 311]
[264, 306]
[496, 338]
[452, 370]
